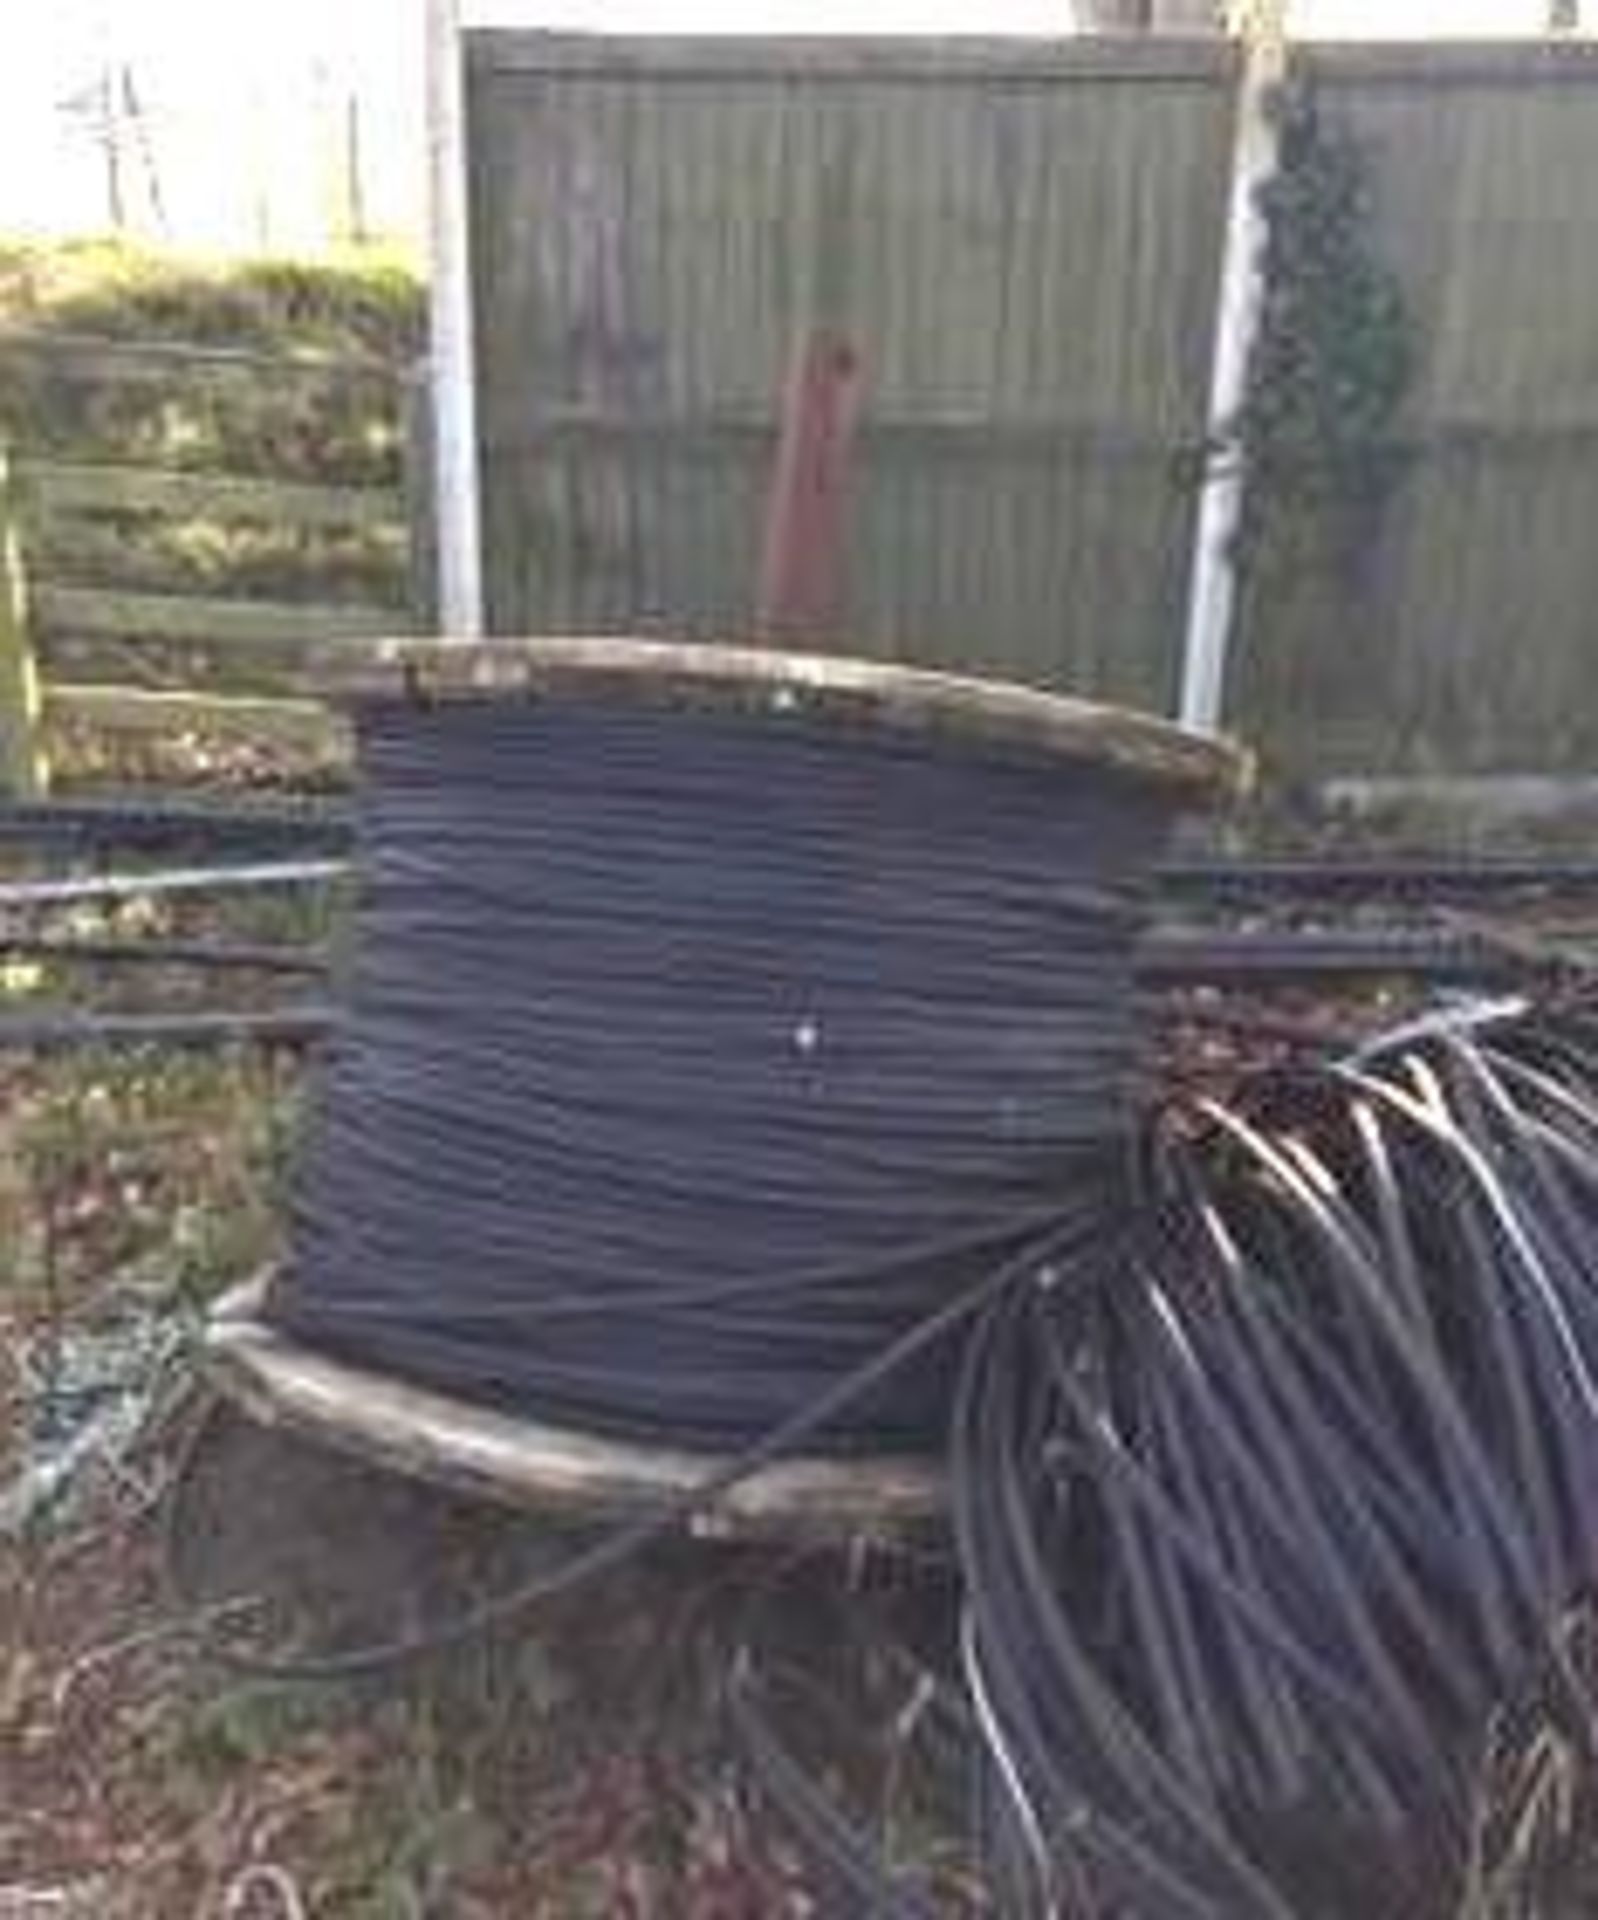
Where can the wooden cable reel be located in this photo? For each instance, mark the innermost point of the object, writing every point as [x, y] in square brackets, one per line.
[523, 1461]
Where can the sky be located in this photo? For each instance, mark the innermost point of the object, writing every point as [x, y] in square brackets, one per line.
[244, 109]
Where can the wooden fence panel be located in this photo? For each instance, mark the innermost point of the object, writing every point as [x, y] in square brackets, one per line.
[1021, 238]
[1470, 641]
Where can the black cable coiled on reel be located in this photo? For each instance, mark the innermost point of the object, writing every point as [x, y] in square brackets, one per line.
[692, 1059]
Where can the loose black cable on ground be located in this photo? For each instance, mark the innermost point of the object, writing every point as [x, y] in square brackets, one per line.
[148, 821]
[1270, 1518]
[1342, 877]
[209, 956]
[69, 1031]
[1274, 1511]
[1270, 957]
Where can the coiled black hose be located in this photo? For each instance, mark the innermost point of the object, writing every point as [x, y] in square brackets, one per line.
[1272, 1510]
[690, 1060]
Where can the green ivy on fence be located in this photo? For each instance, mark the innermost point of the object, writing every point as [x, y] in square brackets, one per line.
[1330, 367]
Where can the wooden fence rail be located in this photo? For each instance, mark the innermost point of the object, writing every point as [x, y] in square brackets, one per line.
[61, 514]
[63, 486]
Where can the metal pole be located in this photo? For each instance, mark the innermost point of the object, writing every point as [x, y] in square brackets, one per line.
[111, 139]
[1212, 591]
[453, 384]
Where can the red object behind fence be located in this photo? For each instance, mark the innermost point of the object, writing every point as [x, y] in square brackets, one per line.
[802, 561]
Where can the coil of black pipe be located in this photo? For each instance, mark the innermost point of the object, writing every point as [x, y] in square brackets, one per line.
[712, 1025]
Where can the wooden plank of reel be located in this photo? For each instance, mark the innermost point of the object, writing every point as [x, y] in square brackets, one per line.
[520, 1462]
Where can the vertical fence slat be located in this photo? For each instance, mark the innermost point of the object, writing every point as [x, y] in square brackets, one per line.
[23, 768]
[421, 542]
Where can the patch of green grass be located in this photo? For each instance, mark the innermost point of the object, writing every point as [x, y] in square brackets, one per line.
[337, 418]
[238, 1726]
[143, 1167]
[368, 300]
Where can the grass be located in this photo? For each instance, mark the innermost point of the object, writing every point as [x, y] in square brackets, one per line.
[350, 332]
[368, 301]
[152, 1169]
